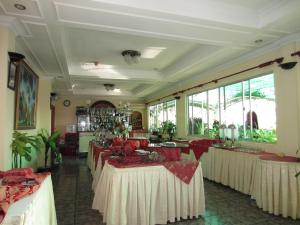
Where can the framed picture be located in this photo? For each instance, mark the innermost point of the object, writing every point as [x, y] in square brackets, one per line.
[11, 81]
[27, 83]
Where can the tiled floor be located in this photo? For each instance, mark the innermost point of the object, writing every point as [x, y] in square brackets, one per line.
[73, 198]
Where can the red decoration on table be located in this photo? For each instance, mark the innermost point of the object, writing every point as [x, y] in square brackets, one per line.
[170, 154]
[117, 141]
[201, 146]
[184, 170]
[24, 172]
[14, 189]
[135, 144]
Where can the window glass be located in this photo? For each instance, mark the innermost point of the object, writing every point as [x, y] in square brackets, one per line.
[160, 113]
[171, 111]
[248, 106]
[200, 114]
[213, 113]
[263, 109]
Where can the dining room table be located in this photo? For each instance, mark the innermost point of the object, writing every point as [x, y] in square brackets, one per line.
[276, 189]
[37, 208]
[266, 177]
[148, 193]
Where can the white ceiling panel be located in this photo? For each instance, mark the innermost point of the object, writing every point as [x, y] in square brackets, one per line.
[177, 40]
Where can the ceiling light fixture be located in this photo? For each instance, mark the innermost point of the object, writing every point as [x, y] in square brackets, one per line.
[131, 56]
[109, 87]
[19, 6]
[258, 41]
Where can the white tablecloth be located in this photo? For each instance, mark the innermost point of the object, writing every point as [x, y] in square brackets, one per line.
[147, 196]
[233, 169]
[97, 172]
[276, 189]
[36, 209]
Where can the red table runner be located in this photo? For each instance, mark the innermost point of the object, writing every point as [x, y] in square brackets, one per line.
[14, 189]
[182, 169]
[170, 154]
[201, 146]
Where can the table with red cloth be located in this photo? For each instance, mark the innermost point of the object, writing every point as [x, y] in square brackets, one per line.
[132, 191]
[201, 146]
[174, 150]
[26, 198]
[140, 142]
[186, 148]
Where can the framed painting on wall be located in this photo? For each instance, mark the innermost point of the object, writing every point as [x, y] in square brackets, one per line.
[11, 81]
[26, 97]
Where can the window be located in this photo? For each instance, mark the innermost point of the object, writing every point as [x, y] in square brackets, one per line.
[162, 112]
[248, 105]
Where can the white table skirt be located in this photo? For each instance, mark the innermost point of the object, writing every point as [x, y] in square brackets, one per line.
[36, 209]
[97, 172]
[276, 189]
[147, 196]
[233, 169]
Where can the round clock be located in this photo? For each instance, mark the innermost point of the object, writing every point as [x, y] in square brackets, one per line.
[67, 103]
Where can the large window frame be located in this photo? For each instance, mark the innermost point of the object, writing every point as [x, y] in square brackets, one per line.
[161, 114]
[246, 96]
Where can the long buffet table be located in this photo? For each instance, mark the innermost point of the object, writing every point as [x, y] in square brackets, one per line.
[147, 195]
[271, 183]
[143, 195]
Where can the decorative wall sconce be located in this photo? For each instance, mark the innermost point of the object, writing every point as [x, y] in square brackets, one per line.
[287, 65]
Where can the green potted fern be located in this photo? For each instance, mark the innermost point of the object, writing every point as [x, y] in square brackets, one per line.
[50, 144]
[22, 145]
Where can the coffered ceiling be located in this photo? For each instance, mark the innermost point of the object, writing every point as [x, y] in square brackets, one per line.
[177, 39]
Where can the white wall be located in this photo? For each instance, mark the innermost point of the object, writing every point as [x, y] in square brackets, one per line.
[7, 102]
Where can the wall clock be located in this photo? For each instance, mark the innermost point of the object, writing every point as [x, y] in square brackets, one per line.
[67, 103]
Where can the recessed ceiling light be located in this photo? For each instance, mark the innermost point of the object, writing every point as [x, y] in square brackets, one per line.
[258, 41]
[95, 66]
[20, 6]
[152, 52]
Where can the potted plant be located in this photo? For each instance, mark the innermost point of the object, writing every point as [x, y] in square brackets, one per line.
[170, 128]
[50, 144]
[22, 145]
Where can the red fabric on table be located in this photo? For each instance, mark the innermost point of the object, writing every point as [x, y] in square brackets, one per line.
[170, 154]
[105, 156]
[273, 157]
[128, 149]
[96, 153]
[18, 191]
[144, 143]
[25, 172]
[184, 170]
[117, 141]
[201, 146]
[135, 144]
[185, 150]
